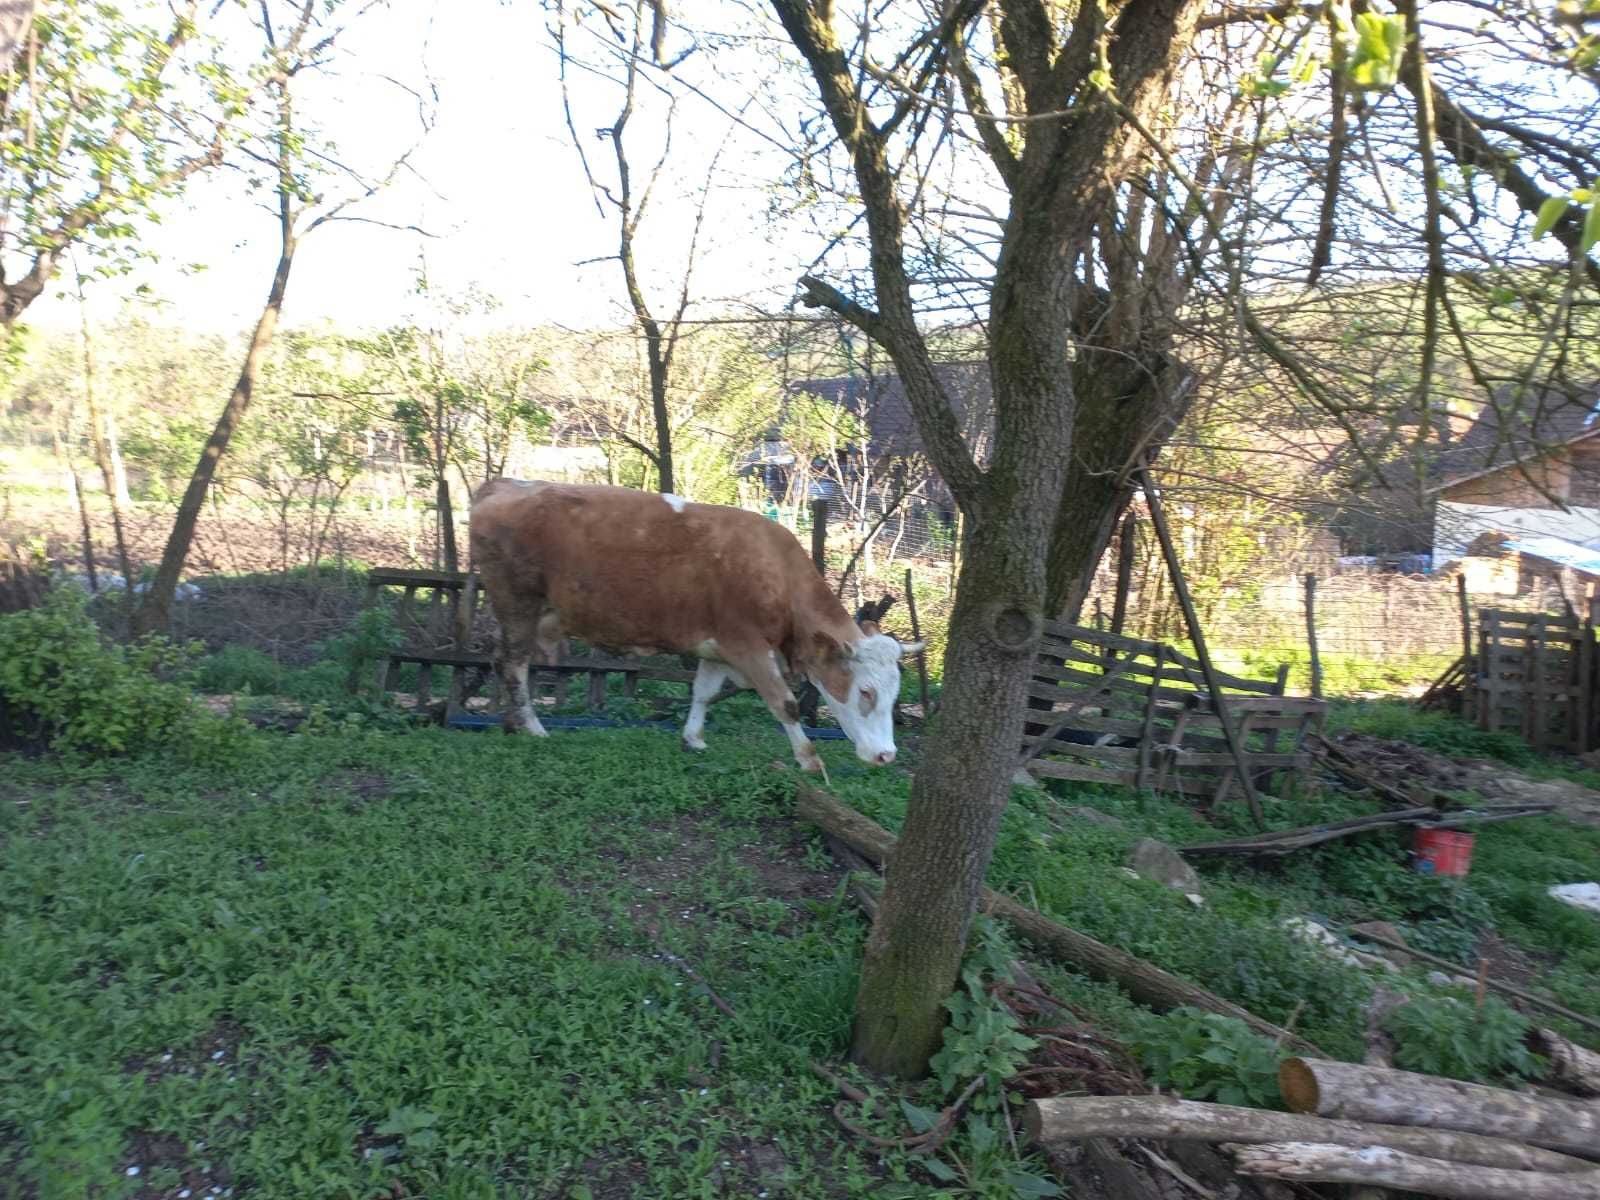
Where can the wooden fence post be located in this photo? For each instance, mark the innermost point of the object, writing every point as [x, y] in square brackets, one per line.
[1125, 551]
[819, 536]
[1466, 617]
[922, 655]
[1311, 634]
[1219, 703]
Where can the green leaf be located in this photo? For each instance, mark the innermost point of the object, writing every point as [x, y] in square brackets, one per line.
[940, 1170]
[920, 1119]
[1380, 44]
[1591, 228]
[1549, 213]
[1026, 1183]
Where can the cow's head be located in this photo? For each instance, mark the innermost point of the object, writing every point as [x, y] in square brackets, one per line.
[861, 683]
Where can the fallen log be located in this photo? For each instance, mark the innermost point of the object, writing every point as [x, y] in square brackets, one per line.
[1068, 1118]
[1313, 1162]
[1494, 985]
[1286, 841]
[1144, 982]
[1388, 1097]
[1570, 1064]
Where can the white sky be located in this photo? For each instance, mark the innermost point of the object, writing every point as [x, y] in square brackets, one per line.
[504, 191]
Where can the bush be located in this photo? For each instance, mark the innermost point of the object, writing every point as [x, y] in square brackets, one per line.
[60, 682]
[238, 669]
[1440, 1035]
[1207, 1056]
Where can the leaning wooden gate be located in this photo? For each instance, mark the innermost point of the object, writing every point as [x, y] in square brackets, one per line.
[1138, 713]
[1536, 677]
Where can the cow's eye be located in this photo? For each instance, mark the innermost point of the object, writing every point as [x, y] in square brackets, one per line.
[869, 697]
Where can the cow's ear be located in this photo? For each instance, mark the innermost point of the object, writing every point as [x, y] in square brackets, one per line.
[829, 650]
[912, 648]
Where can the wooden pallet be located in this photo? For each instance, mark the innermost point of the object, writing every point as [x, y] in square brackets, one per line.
[1156, 696]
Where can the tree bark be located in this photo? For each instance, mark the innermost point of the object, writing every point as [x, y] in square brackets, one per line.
[105, 456]
[1065, 1118]
[1359, 1093]
[1146, 983]
[447, 525]
[155, 614]
[1313, 1162]
[1571, 1065]
[1059, 184]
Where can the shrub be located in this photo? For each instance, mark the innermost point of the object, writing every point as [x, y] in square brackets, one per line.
[1207, 1056]
[61, 683]
[1440, 1035]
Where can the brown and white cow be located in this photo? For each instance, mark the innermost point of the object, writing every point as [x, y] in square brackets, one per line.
[651, 573]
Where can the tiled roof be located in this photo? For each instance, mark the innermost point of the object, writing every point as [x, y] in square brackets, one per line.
[881, 401]
[1507, 432]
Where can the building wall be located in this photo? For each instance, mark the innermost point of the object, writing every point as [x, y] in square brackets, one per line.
[1530, 485]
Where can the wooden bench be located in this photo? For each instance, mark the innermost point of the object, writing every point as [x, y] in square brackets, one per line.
[431, 642]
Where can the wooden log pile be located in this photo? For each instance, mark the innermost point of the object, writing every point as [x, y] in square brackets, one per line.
[1368, 1126]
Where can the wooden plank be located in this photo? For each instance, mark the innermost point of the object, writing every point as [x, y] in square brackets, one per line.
[1100, 662]
[1174, 658]
[1083, 680]
[1130, 755]
[1052, 768]
[407, 576]
[1147, 729]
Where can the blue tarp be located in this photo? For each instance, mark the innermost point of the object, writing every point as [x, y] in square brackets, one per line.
[1559, 551]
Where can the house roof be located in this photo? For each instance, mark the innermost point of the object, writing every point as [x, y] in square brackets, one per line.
[1559, 551]
[881, 402]
[1507, 433]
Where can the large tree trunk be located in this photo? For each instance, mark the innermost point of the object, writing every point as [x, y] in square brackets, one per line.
[913, 955]
[155, 613]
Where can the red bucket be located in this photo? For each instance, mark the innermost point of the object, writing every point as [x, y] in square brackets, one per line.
[1442, 851]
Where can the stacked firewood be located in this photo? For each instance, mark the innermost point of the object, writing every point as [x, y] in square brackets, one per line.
[1379, 1127]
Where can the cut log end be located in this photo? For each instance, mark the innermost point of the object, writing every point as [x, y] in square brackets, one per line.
[1298, 1083]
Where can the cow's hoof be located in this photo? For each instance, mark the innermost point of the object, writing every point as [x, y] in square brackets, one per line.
[696, 746]
[812, 765]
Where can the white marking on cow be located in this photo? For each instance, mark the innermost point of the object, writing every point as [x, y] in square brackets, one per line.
[677, 502]
[707, 648]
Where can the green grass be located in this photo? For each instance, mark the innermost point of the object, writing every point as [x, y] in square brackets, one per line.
[343, 961]
[433, 946]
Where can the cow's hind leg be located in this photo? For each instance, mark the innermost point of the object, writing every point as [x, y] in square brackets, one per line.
[708, 681]
[766, 677]
[518, 639]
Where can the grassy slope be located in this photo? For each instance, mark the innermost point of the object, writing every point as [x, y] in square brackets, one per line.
[438, 947]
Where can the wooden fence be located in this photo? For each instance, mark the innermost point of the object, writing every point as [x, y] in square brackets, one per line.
[442, 629]
[1535, 675]
[1156, 723]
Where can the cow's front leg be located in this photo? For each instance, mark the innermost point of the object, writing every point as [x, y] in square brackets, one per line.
[707, 683]
[766, 676]
[513, 668]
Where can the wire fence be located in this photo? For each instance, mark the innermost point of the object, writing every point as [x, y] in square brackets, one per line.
[1377, 632]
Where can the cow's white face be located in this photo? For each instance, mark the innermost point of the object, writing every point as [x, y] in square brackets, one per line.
[870, 679]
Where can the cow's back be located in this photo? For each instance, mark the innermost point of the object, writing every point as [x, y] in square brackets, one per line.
[629, 568]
